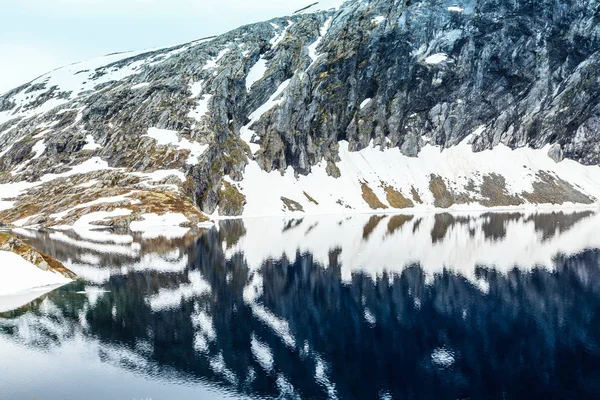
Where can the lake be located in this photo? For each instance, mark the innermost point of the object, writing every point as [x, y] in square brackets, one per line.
[432, 306]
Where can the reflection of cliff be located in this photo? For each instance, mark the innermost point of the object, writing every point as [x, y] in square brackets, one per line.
[296, 326]
[95, 259]
[530, 331]
[461, 242]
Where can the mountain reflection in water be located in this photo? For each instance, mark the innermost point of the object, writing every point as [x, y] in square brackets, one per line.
[491, 306]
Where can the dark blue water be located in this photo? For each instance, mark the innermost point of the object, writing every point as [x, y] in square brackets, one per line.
[193, 318]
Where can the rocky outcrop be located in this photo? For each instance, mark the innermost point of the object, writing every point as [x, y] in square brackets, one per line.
[285, 96]
[129, 197]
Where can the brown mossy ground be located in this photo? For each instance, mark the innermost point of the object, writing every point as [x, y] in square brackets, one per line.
[162, 202]
[396, 199]
[311, 199]
[370, 198]
[415, 195]
[547, 189]
[550, 189]
[63, 195]
[231, 201]
[442, 198]
[445, 197]
[493, 189]
[292, 205]
[158, 202]
[37, 203]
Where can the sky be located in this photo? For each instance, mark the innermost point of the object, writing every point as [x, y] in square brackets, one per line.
[37, 36]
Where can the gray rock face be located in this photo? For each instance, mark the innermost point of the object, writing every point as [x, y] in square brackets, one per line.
[399, 73]
[556, 153]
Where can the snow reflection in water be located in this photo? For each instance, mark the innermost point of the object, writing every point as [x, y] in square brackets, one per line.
[430, 306]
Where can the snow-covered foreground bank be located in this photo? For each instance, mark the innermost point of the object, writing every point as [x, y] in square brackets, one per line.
[18, 275]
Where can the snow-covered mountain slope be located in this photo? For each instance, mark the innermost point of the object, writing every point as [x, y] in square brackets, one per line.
[375, 105]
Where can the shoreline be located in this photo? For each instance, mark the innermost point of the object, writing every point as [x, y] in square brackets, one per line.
[545, 208]
[416, 211]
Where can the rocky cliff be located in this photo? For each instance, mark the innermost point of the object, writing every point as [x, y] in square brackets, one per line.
[377, 104]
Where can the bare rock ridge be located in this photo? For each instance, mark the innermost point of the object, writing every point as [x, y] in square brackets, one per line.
[378, 104]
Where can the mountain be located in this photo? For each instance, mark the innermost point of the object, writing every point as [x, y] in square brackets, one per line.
[375, 105]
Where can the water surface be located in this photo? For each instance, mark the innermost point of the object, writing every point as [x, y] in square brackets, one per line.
[446, 306]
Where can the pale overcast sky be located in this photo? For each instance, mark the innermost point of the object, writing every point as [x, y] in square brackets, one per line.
[37, 36]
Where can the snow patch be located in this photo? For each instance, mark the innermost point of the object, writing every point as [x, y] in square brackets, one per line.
[436, 58]
[312, 49]
[196, 88]
[278, 38]
[256, 73]
[165, 137]
[91, 144]
[88, 184]
[245, 132]
[159, 175]
[167, 225]
[214, 62]
[39, 148]
[201, 109]
[24, 221]
[456, 9]
[85, 228]
[140, 86]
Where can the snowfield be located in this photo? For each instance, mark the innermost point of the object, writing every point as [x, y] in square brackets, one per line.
[457, 166]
